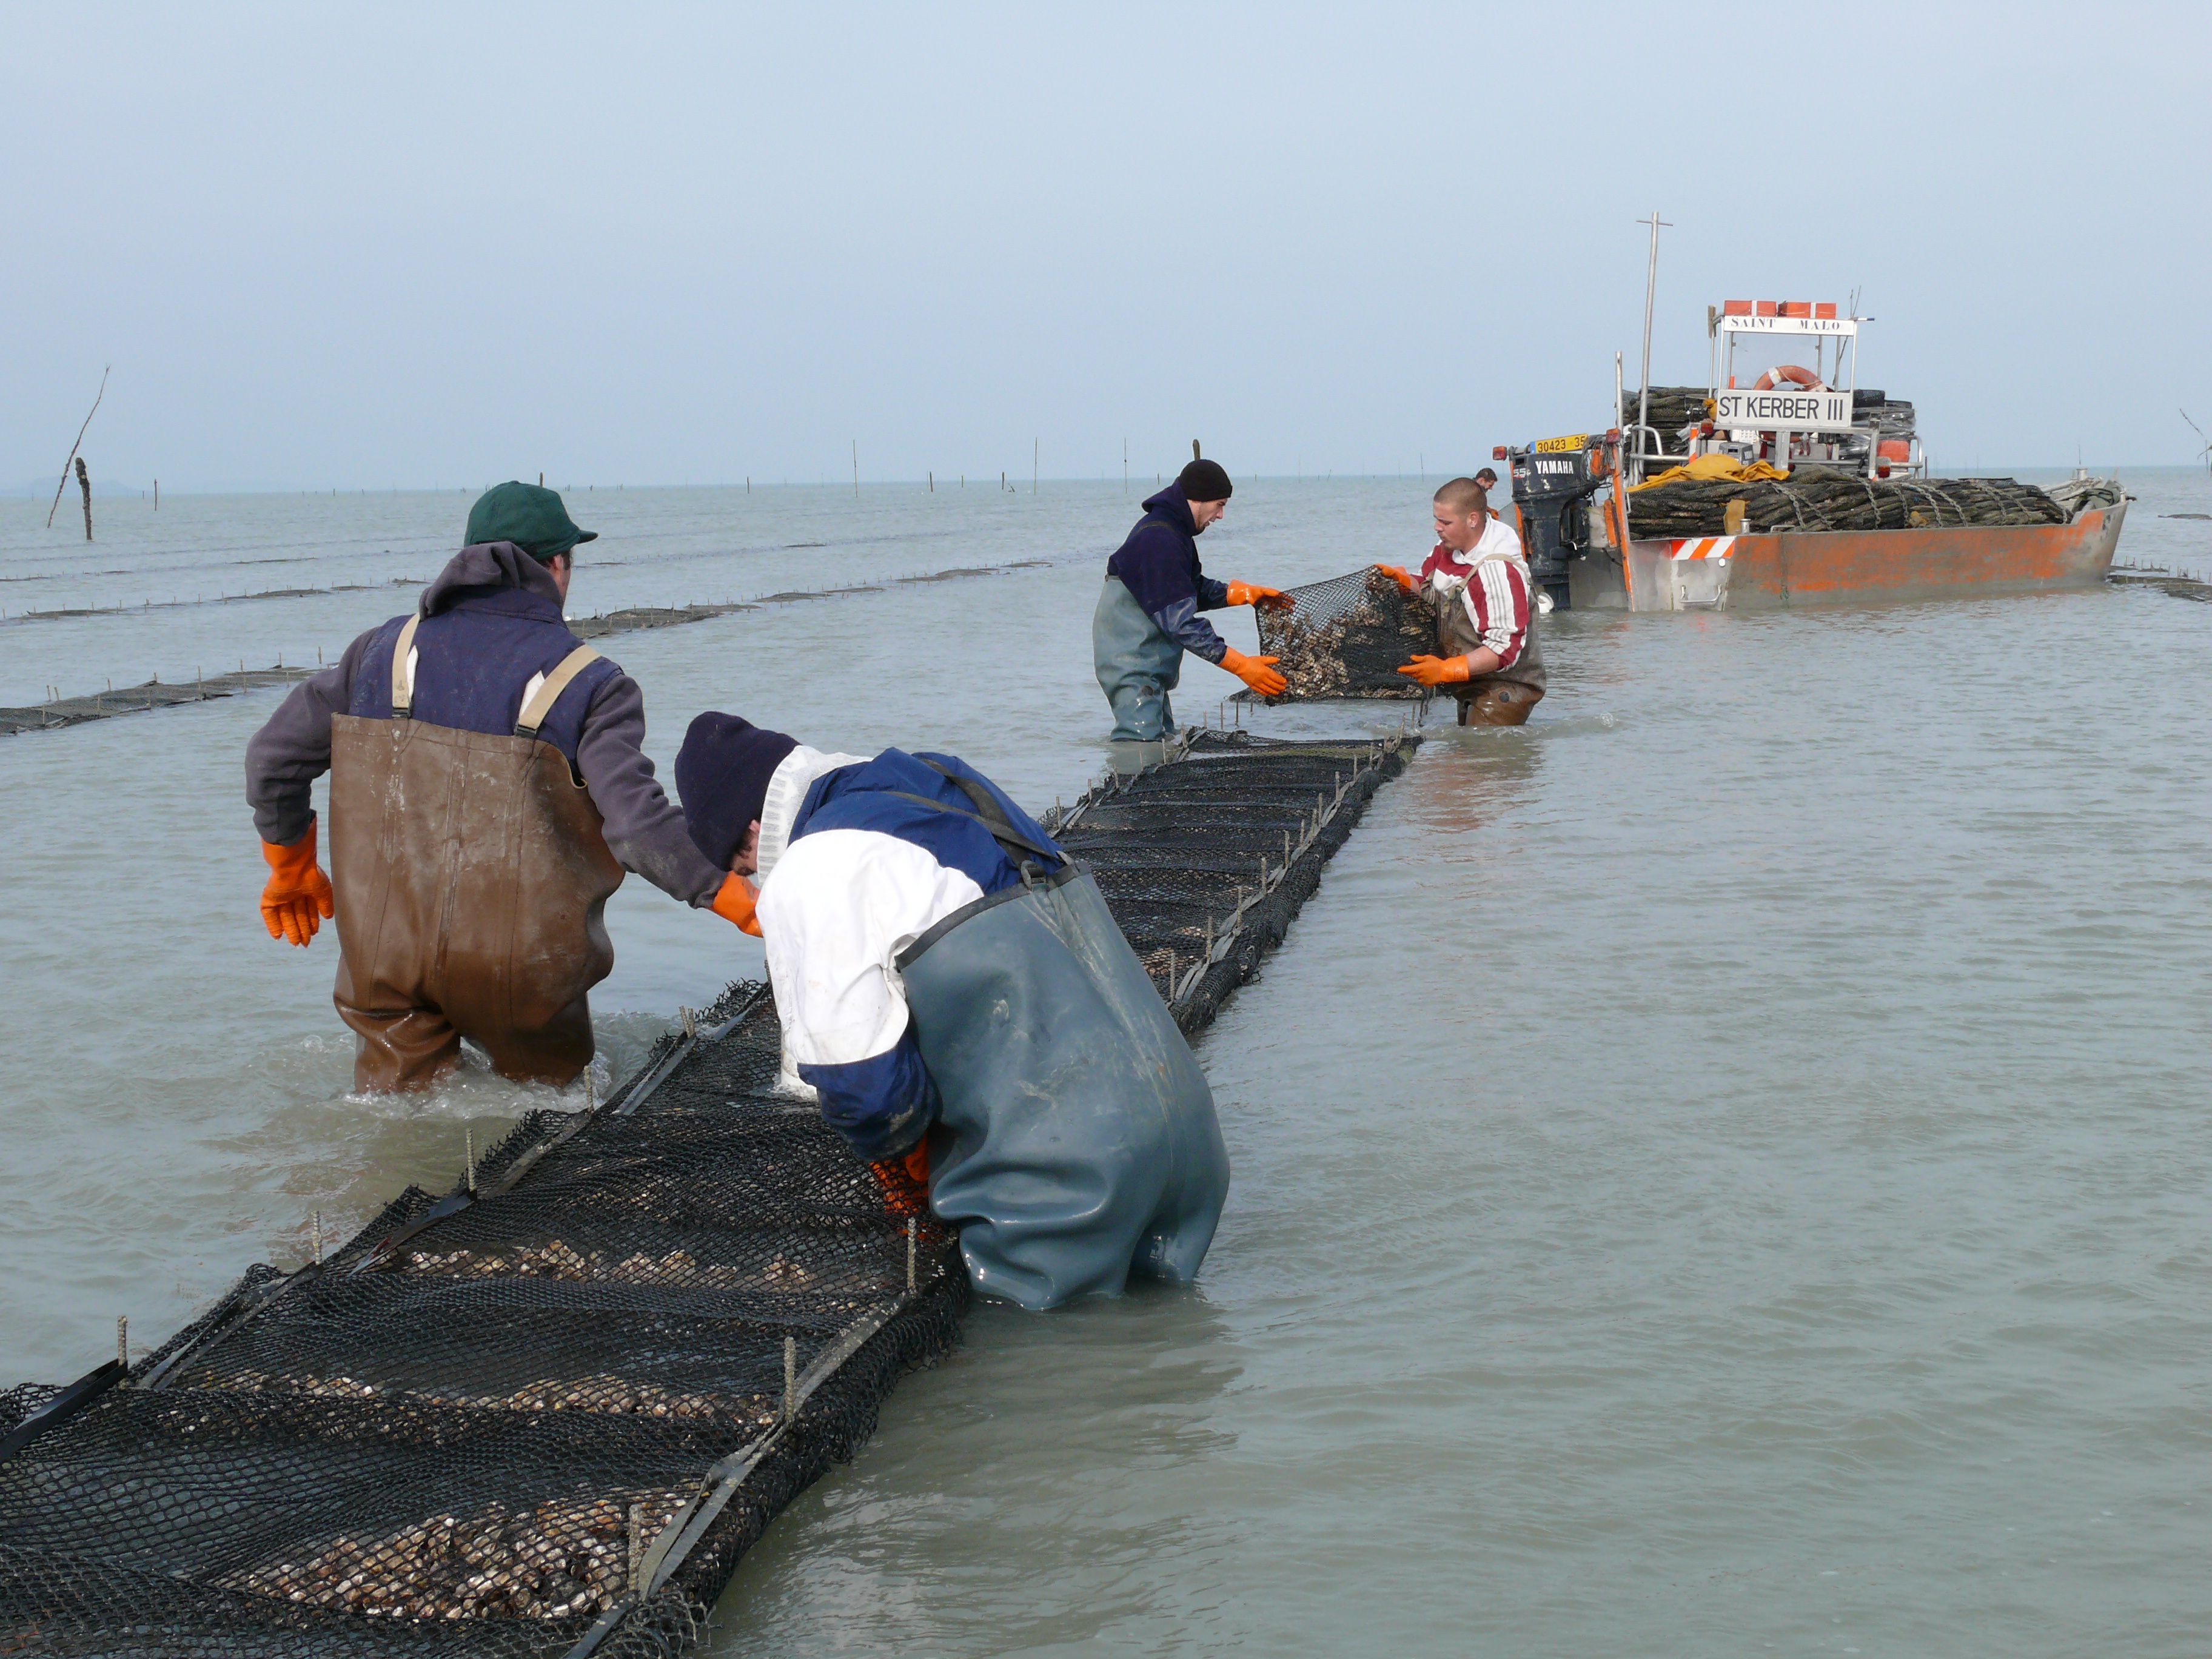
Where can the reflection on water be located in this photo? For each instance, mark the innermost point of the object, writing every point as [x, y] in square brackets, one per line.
[1720, 1166]
[1011, 1501]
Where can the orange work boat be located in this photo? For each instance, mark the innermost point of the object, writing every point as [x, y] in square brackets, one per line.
[1800, 488]
[1792, 567]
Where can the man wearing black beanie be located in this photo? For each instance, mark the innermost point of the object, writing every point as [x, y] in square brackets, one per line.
[722, 776]
[1147, 616]
[955, 994]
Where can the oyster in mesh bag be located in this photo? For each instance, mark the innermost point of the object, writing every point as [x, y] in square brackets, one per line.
[563, 1557]
[1347, 637]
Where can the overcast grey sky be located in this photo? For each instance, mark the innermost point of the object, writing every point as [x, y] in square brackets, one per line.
[331, 245]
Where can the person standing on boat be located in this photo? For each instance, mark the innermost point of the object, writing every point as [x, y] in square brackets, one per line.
[488, 790]
[1488, 480]
[1477, 581]
[1147, 616]
[957, 996]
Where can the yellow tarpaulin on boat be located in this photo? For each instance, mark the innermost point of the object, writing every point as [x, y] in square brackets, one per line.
[1707, 467]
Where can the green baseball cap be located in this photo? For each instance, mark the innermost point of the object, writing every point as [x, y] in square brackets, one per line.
[531, 516]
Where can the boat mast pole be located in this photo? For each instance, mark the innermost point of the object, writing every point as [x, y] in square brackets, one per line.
[1713, 366]
[1650, 287]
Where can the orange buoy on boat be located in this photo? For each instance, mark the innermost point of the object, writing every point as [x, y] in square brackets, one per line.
[1794, 375]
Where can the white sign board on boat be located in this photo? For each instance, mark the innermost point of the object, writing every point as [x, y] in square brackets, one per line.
[1741, 325]
[1785, 408]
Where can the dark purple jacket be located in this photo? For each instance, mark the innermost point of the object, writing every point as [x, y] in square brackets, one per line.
[1158, 564]
[490, 621]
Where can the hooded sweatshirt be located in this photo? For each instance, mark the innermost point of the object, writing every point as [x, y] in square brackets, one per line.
[491, 629]
[1158, 564]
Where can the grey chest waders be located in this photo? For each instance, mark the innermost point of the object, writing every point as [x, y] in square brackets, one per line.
[1085, 1145]
[1137, 664]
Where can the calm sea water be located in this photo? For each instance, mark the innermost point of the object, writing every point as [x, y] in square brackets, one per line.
[1723, 1168]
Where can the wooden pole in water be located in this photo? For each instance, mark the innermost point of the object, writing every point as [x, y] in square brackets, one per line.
[63, 484]
[157, 494]
[84, 483]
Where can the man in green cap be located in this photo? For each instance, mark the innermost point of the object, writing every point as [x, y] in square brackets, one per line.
[487, 789]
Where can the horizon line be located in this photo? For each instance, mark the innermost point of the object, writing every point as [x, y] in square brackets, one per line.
[123, 492]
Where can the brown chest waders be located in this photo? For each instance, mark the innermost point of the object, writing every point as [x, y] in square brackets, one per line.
[470, 874]
[1505, 698]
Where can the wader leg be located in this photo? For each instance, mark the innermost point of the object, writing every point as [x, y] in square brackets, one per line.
[1504, 704]
[1137, 667]
[400, 1047]
[555, 1051]
[1141, 711]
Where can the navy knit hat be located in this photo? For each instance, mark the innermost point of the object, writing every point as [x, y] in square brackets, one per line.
[1205, 481]
[722, 774]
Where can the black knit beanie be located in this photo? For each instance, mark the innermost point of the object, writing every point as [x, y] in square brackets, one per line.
[722, 774]
[1205, 481]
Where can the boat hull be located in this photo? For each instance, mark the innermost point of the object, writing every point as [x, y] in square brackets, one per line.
[1788, 569]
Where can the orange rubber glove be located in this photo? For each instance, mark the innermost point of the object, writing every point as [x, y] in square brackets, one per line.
[735, 901]
[1258, 672]
[1403, 579]
[1438, 671]
[1251, 593]
[298, 894]
[906, 1181]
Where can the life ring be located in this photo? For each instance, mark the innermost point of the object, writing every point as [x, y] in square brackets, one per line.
[1791, 373]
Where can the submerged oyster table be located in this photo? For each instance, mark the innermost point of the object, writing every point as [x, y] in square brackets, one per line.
[547, 1412]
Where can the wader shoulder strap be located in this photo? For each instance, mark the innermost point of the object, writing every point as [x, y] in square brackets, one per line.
[403, 681]
[992, 815]
[549, 691]
[989, 808]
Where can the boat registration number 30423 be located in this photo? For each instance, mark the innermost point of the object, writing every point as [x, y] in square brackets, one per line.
[1561, 446]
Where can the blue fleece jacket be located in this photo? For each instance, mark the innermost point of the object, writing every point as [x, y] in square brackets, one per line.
[1158, 564]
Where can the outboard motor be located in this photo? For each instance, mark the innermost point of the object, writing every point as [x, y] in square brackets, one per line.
[1552, 482]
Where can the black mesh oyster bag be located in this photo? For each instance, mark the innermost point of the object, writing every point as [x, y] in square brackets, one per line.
[1347, 637]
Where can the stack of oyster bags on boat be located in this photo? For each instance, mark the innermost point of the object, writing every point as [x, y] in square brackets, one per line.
[1818, 498]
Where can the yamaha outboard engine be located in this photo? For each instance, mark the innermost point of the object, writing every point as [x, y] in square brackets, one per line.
[1552, 482]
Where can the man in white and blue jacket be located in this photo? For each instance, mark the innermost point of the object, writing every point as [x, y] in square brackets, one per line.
[1148, 615]
[955, 992]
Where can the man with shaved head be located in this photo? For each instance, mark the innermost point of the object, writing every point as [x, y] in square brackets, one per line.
[1477, 581]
